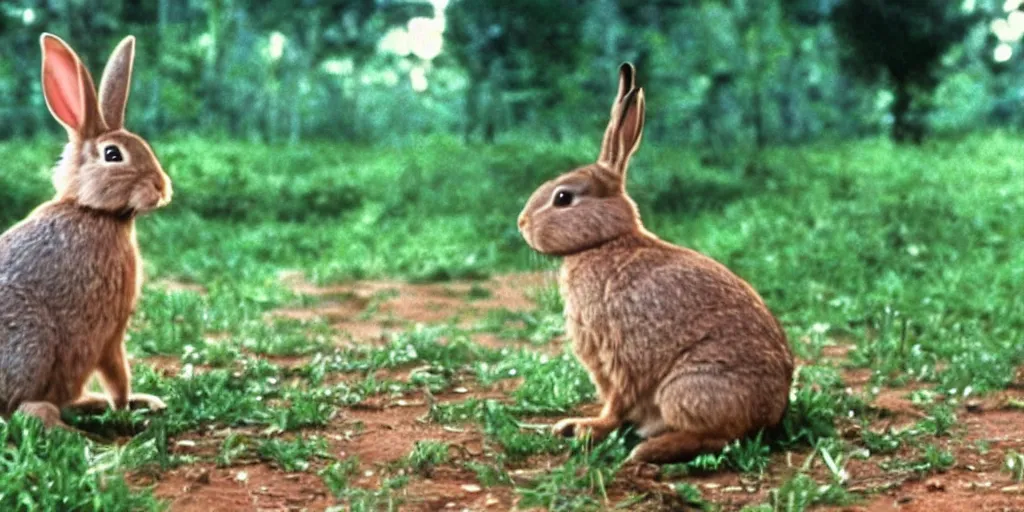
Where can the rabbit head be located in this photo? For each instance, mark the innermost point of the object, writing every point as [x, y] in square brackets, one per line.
[588, 206]
[104, 167]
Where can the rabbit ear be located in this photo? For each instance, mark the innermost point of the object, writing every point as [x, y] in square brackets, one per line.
[627, 82]
[630, 129]
[117, 78]
[622, 137]
[62, 82]
[67, 87]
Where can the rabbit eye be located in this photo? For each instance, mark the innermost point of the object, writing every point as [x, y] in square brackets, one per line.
[112, 154]
[563, 198]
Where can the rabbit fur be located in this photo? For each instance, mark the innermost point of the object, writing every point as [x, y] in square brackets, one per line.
[675, 343]
[71, 272]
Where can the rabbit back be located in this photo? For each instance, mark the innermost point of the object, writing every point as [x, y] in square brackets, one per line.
[68, 285]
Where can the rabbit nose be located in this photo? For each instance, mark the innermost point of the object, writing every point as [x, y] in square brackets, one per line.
[523, 221]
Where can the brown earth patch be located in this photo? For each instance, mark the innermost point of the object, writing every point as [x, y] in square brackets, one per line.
[205, 488]
[368, 311]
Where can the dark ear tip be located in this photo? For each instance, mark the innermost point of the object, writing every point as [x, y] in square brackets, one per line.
[626, 71]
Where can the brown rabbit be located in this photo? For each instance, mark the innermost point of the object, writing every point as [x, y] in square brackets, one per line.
[675, 343]
[70, 273]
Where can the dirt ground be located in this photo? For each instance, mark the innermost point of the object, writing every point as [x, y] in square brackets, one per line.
[381, 432]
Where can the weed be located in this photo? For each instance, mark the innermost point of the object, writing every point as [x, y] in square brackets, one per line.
[490, 473]
[337, 475]
[1014, 464]
[293, 455]
[801, 492]
[935, 459]
[427, 455]
[58, 470]
[692, 496]
[233, 447]
[885, 442]
[939, 421]
[582, 481]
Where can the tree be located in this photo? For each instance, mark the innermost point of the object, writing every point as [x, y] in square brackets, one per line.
[517, 55]
[902, 41]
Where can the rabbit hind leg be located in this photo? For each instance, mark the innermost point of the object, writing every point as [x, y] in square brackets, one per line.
[699, 413]
[46, 412]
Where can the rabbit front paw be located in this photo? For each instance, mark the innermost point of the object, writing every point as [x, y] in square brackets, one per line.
[145, 401]
[596, 428]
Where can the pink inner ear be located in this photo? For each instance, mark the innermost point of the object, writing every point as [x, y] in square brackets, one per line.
[61, 84]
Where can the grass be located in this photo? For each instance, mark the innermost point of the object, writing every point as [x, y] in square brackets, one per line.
[911, 257]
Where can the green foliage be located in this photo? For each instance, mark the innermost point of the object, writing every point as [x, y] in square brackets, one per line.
[581, 482]
[57, 470]
[1014, 464]
[293, 455]
[802, 492]
[517, 56]
[923, 30]
[426, 455]
[817, 400]
[337, 475]
[721, 76]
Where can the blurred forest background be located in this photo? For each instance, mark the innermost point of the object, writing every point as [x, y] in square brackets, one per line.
[719, 73]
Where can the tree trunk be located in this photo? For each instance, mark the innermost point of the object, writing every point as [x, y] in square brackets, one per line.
[905, 128]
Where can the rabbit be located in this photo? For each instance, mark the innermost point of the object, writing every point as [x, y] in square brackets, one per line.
[675, 343]
[71, 272]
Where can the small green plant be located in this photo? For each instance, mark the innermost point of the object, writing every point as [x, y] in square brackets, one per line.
[692, 496]
[801, 492]
[932, 459]
[490, 473]
[293, 455]
[939, 421]
[1014, 464]
[582, 481]
[749, 455]
[884, 442]
[233, 447]
[337, 475]
[818, 398]
[935, 459]
[427, 455]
